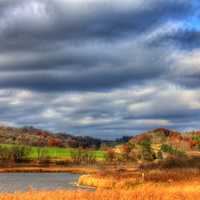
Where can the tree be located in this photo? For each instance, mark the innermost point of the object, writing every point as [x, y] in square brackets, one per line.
[5, 154]
[20, 153]
[126, 149]
[76, 156]
[110, 155]
[42, 154]
[54, 142]
[146, 150]
[166, 148]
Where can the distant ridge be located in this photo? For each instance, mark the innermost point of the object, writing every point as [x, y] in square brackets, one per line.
[37, 137]
[182, 140]
[159, 131]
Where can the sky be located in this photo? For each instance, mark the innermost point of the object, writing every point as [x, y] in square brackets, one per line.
[102, 68]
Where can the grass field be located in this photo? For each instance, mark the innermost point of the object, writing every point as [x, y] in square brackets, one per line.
[186, 189]
[58, 153]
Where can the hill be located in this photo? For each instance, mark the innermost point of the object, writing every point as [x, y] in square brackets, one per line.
[185, 141]
[36, 137]
[159, 144]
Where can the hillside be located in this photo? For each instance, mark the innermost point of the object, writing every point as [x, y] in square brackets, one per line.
[36, 137]
[185, 141]
[159, 144]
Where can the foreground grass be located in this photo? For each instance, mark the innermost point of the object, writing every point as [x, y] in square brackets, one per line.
[178, 191]
[174, 184]
[131, 180]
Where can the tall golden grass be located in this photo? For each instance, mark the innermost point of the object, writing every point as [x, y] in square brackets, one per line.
[146, 192]
[108, 182]
[125, 180]
[176, 184]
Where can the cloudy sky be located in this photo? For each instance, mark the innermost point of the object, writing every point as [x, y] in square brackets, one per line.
[103, 68]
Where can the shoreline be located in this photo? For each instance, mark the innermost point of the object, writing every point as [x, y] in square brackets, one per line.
[158, 184]
[49, 169]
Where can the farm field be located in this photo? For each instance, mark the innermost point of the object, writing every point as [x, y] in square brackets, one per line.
[57, 153]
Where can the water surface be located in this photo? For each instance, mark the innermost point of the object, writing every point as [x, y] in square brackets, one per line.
[11, 182]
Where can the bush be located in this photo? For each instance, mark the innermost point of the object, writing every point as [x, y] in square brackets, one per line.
[5, 154]
[15, 153]
[110, 155]
[196, 138]
[133, 155]
[20, 153]
[76, 156]
[88, 157]
[83, 156]
[159, 155]
[174, 162]
[172, 150]
[42, 154]
[146, 150]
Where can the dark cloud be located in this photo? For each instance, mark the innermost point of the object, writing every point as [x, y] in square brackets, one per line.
[55, 35]
[120, 112]
[186, 39]
[99, 68]
[39, 37]
[91, 81]
[99, 21]
[190, 81]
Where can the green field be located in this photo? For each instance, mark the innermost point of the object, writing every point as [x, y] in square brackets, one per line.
[58, 153]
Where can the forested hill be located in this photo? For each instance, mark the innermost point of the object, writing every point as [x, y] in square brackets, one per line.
[36, 137]
[186, 141]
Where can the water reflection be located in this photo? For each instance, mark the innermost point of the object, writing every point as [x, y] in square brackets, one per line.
[11, 182]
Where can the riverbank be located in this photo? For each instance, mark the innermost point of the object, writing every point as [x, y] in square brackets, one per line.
[68, 168]
[180, 184]
[130, 179]
[50, 169]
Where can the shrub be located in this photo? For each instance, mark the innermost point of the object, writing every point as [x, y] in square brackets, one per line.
[172, 150]
[76, 156]
[42, 154]
[146, 150]
[159, 155]
[196, 138]
[110, 155]
[175, 162]
[5, 154]
[20, 153]
[15, 153]
[132, 155]
[88, 157]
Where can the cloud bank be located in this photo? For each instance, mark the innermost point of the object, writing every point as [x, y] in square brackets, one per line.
[100, 68]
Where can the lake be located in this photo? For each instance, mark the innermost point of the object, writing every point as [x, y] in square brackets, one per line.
[11, 182]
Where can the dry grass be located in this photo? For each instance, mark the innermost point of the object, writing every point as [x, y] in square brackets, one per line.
[133, 179]
[108, 182]
[172, 175]
[75, 170]
[181, 191]
[176, 184]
